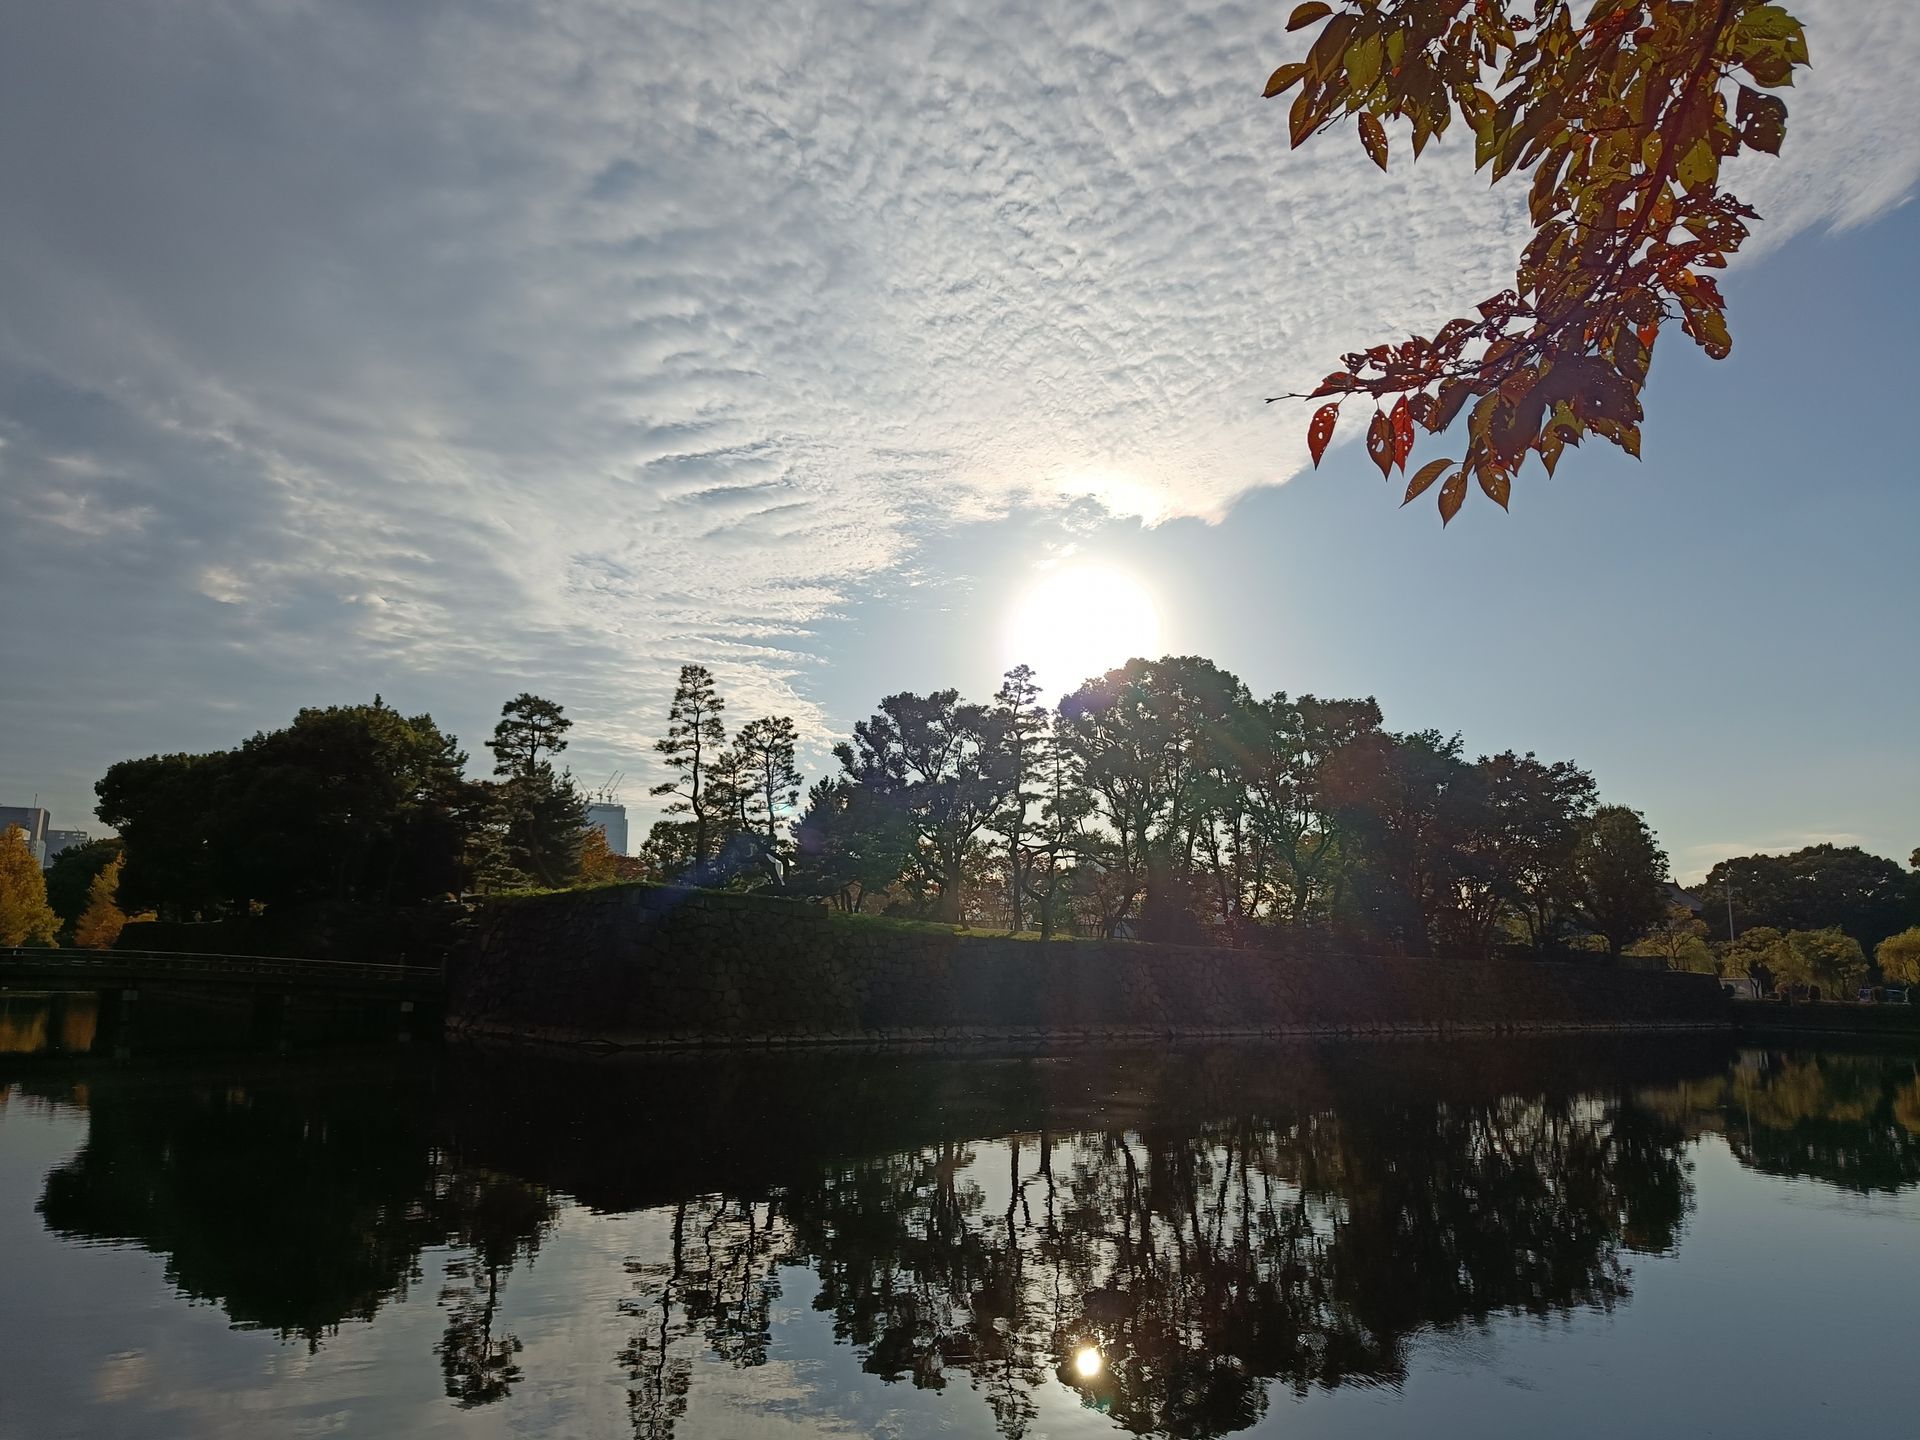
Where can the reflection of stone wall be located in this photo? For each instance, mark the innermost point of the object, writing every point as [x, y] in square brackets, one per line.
[637, 965]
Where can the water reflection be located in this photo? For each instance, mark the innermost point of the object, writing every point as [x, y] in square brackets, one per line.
[1170, 1235]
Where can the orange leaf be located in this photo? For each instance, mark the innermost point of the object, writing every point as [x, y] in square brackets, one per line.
[1424, 477]
[1380, 442]
[1285, 78]
[1451, 494]
[1496, 483]
[1320, 431]
[1307, 14]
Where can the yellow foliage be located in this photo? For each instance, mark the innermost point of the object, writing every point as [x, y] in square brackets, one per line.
[25, 916]
[598, 864]
[1899, 957]
[100, 923]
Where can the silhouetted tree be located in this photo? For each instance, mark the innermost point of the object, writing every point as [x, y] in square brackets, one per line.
[1620, 877]
[1814, 889]
[539, 811]
[942, 767]
[695, 738]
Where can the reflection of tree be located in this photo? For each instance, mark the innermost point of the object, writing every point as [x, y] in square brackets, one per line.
[714, 1291]
[1850, 1120]
[500, 1218]
[296, 1207]
[1203, 1262]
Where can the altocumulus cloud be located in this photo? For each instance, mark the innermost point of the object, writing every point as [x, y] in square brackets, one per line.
[549, 343]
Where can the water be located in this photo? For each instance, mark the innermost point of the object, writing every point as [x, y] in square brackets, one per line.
[1574, 1238]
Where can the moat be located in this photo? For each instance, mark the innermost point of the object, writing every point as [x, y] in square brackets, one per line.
[1661, 1235]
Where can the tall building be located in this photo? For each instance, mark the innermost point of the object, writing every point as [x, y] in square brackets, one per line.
[59, 841]
[610, 819]
[32, 819]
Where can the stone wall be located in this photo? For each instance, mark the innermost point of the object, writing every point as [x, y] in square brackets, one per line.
[649, 966]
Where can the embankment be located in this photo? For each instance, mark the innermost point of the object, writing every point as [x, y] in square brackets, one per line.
[643, 966]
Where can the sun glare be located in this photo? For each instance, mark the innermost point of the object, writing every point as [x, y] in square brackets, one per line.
[1087, 1363]
[1080, 622]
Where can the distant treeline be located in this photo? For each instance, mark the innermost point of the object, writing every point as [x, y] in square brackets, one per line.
[1162, 800]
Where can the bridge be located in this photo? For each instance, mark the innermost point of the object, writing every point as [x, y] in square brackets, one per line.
[121, 1001]
[109, 970]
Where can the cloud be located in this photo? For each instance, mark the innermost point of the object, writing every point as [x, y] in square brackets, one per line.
[561, 341]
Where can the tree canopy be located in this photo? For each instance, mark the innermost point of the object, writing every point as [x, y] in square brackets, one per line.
[1624, 118]
[25, 916]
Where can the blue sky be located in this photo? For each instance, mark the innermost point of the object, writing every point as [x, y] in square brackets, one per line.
[454, 350]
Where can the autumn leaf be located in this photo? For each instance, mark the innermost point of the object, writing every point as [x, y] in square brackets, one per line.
[1304, 15]
[1622, 114]
[1451, 494]
[1380, 442]
[1402, 422]
[1283, 79]
[1373, 136]
[1423, 478]
[1497, 484]
[1320, 431]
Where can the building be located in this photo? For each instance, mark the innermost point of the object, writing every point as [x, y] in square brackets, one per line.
[60, 841]
[45, 841]
[610, 819]
[32, 819]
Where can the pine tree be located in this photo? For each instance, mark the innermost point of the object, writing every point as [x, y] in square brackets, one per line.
[771, 777]
[100, 923]
[1022, 725]
[694, 738]
[25, 916]
[538, 811]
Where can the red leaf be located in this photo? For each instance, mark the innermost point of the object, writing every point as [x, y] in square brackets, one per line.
[1380, 443]
[1402, 422]
[1320, 431]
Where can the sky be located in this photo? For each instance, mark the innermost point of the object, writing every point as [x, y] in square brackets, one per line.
[450, 350]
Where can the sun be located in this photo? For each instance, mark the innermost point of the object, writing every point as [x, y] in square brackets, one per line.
[1080, 622]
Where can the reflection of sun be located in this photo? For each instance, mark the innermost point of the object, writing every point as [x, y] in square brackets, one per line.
[1086, 1364]
[1081, 622]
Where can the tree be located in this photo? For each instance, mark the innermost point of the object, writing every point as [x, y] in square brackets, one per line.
[1023, 727]
[1408, 804]
[940, 765]
[100, 923]
[1146, 739]
[1060, 838]
[1518, 852]
[770, 782]
[1814, 889]
[350, 802]
[1829, 958]
[598, 864]
[695, 736]
[849, 844]
[70, 877]
[25, 916]
[1620, 875]
[1623, 118]
[531, 730]
[1762, 948]
[537, 811]
[1899, 957]
[1680, 939]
